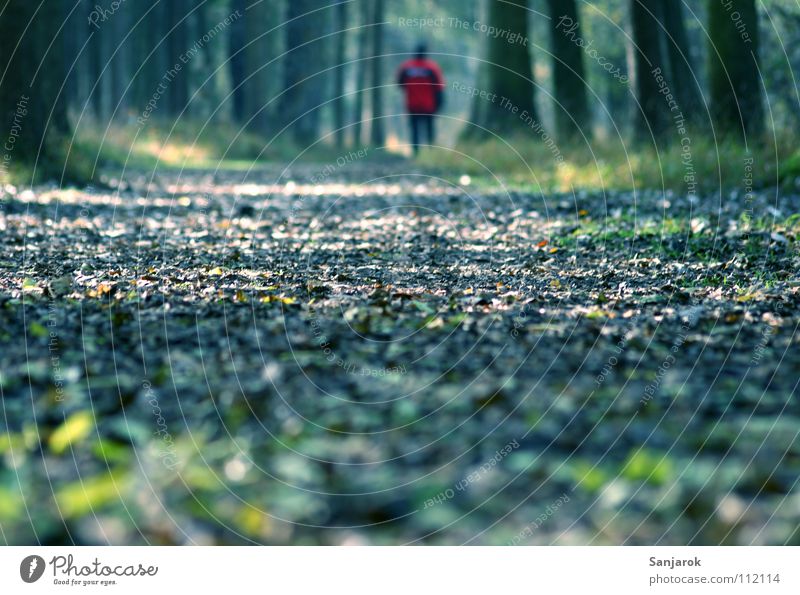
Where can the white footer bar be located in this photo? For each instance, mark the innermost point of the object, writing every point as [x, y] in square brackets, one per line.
[399, 570]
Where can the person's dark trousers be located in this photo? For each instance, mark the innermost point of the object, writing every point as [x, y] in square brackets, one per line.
[421, 124]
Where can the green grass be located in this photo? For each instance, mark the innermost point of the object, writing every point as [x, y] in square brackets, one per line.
[527, 163]
[523, 163]
[160, 145]
[94, 148]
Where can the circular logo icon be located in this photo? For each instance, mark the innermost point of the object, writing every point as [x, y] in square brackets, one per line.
[31, 569]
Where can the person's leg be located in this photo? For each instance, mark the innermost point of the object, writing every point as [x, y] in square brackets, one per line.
[414, 121]
[424, 135]
[431, 131]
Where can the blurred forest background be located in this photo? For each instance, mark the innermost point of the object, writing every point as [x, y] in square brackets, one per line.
[187, 82]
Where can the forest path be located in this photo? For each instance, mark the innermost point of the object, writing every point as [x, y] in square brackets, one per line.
[366, 353]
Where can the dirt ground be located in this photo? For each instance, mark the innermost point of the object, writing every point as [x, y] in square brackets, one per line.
[379, 353]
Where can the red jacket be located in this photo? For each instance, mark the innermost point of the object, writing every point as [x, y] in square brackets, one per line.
[423, 83]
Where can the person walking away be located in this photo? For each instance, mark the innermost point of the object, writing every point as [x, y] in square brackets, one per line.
[423, 84]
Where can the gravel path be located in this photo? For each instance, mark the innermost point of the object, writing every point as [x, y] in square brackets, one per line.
[369, 354]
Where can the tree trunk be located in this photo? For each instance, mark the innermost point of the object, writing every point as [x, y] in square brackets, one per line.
[236, 63]
[120, 65]
[198, 67]
[682, 77]
[653, 110]
[178, 95]
[507, 73]
[339, 76]
[71, 45]
[160, 62]
[378, 135]
[147, 56]
[361, 73]
[263, 42]
[304, 79]
[100, 48]
[573, 119]
[256, 75]
[736, 102]
[32, 114]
